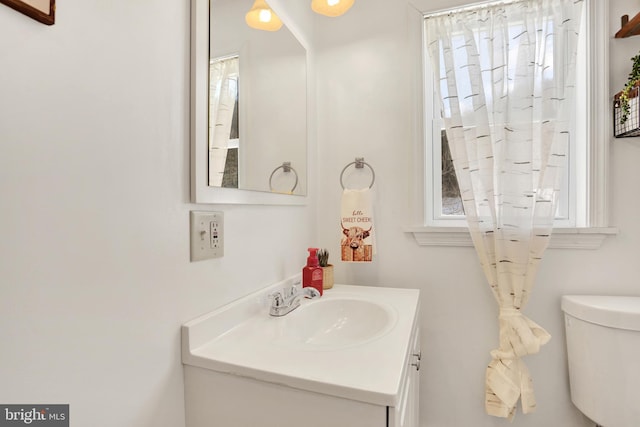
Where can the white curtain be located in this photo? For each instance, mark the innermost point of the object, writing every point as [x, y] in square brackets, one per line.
[505, 76]
[223, 92]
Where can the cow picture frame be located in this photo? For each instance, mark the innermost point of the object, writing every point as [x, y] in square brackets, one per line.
[43, 11]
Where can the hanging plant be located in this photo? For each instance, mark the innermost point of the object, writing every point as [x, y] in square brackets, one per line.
[634, 80]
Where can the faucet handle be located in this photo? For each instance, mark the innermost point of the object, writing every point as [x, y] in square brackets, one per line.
[311, 292]
[278, 301]
[291, 291]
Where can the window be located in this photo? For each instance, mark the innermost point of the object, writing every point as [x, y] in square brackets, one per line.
[583, 208]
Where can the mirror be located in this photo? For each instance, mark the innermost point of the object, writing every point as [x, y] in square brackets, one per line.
[249, 109]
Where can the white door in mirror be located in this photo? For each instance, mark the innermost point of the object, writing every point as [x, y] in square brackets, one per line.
[207, 232]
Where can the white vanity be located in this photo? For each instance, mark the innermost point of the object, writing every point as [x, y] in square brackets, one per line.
[349, 358]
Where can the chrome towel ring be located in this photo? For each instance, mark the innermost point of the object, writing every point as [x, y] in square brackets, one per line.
[286, 168]
[360, 163]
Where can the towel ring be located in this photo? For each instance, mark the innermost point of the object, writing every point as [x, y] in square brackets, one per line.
[286, 167]
[360, 163]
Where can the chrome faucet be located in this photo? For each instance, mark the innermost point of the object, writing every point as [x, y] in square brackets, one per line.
[284, 304]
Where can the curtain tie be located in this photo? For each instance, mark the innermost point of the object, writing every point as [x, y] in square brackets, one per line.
[519, 335]
[506, 312]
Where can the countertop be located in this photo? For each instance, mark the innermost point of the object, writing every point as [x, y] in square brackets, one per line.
[238, 339]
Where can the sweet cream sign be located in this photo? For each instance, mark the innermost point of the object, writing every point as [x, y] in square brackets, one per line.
[357, 226]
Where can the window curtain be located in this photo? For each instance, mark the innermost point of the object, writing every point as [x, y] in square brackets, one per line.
[505, 76]
[223, 92]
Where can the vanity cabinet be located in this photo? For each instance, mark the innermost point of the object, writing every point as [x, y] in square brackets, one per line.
[407, 412]
[221, 399]
[216, 399]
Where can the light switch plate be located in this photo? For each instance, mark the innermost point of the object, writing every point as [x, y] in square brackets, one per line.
[207, 235]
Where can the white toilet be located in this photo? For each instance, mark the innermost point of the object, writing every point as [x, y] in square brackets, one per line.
[603, 348]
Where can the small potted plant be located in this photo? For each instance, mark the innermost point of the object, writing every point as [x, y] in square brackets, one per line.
[629, 91]
[327, 269]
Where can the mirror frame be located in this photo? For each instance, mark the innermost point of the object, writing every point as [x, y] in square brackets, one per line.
[201, 192]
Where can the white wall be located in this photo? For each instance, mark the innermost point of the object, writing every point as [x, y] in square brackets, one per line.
[365, 108]
[95, 278]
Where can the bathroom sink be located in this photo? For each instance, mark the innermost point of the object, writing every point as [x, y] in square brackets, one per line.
[329, 345]
[335, 323]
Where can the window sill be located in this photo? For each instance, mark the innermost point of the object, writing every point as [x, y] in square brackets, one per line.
[561, 238]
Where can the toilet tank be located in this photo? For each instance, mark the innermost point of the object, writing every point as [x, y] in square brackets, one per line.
[603, 350]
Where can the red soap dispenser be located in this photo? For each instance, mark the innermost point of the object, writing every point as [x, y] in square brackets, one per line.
[312, 273]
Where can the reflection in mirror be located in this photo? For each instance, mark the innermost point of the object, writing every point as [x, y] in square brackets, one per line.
[223, 122]
[282, 178]
[257, 104]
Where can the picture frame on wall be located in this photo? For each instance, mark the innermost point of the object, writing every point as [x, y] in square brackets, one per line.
[41, 10]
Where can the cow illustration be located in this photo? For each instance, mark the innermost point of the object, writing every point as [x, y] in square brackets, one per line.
[354, 236]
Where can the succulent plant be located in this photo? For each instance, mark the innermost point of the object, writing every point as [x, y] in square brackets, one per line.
[323, 257]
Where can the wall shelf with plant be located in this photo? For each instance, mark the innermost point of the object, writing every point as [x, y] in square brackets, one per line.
[626, 111]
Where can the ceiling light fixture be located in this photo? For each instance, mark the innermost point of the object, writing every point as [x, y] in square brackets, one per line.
[261, 17]
[331, 8]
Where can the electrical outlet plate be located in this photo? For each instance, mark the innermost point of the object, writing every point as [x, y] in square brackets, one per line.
[207, 231]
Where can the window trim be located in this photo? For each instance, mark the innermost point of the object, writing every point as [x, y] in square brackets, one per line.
[597, 226]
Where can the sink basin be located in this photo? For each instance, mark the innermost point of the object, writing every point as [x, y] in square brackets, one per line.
[336, 323]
